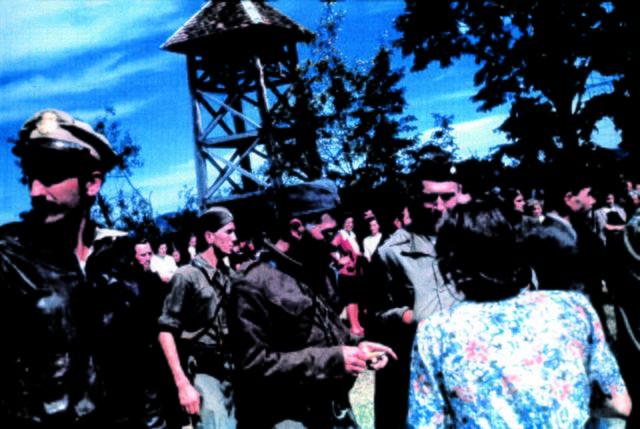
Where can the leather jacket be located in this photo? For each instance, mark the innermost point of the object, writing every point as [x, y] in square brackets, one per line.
[57, 321]
[285, 338]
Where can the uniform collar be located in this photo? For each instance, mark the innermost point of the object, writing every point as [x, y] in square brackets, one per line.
[413, 243]
[200, 262]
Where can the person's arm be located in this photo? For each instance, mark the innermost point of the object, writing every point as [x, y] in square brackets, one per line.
[601, 220]
[189, 396]
[622, 213]
[173, 312]
[384, 297]
[618, 406]
[610, 397]
[426, 400]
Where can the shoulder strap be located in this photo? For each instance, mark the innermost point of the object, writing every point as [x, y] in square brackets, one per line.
[221, 300]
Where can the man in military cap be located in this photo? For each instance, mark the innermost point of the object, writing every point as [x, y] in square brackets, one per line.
[295, 360]
[56, 266]
[193, 325]
[406, 286]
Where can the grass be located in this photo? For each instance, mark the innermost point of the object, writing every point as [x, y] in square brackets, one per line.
[361, 396]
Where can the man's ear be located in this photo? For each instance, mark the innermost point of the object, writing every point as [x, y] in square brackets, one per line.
[567, 197]
[94, 183]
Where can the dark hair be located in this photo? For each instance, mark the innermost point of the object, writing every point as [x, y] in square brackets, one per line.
[531, 205]
[478, 250]
[572, 181]
[509, 196]
[437, 167]
[343, 218]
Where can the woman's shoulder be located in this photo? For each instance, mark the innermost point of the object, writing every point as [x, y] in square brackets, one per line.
[560, 297]
[468, 311]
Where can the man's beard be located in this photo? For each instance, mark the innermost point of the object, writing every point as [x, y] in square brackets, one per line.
[41, 209]
[42, 212]
[311, 253]
[426, 222]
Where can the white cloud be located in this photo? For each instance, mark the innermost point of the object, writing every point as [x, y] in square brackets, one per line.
[606, 135]
[16, 113]
[20, 96]
[51, 29]
[111, 70]
[123, 109]
[464, 94]
[476, 138]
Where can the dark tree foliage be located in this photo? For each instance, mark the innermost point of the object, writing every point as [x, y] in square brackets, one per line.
[378, 135]
[124, 208]
[346, 121]
[295, 152]
[543, 58]
[441, 141]
[336, 86]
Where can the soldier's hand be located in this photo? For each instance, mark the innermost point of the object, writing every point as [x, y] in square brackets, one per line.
[355, 360]
[189, 398]
[377, 354]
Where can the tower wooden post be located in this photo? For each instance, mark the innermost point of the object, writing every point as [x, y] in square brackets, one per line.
[241, 62]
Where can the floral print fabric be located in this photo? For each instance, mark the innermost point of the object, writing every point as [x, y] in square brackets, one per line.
[526, 362]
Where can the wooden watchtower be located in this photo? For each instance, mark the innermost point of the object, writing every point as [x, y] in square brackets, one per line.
[241, 63]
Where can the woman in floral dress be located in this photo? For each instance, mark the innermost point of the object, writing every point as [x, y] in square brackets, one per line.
[508, 357]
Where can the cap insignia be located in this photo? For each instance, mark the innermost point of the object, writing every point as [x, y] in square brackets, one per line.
[48, 123]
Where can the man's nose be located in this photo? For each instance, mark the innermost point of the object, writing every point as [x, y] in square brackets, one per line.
[37, 188]
[440, 205]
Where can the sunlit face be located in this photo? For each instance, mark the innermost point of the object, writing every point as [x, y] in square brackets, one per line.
[439, 196]
[348, 224]
[322, 228]
[518, 203]
[162, 250]
[223, 239]
[54, 201]
[583, 202]
[397, 223]
[192, 241]
[537, 210]
[374, 227]
[611, 200]
[143, 255]
[56, 185]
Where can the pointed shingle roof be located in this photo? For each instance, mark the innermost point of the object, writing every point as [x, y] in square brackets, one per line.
[219, 23]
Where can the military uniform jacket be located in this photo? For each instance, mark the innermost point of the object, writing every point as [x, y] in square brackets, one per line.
[61, 322]
[405, 276]
[286, 344]
[194, 308]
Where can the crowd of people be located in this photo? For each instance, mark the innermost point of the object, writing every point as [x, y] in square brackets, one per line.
[483, 310]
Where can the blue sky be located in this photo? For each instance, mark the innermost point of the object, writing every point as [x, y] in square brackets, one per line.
[81, 56]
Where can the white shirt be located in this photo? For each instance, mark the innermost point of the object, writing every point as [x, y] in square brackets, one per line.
[164, 266]
[371, 244]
